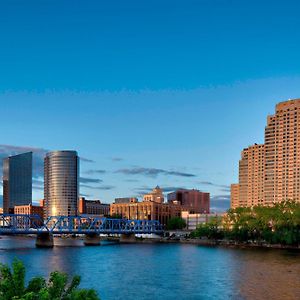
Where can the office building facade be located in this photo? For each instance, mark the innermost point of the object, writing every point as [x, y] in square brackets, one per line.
[61, 183]
[151, 208]
[17, 181]
[193, 201]
[156, 195]
[93, 207]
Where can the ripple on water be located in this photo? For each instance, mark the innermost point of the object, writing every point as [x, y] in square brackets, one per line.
[164, 271]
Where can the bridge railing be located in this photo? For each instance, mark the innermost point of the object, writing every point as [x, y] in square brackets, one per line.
[27, 224]
[18, 223]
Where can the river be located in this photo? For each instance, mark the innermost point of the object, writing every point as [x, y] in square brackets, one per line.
[164, 271]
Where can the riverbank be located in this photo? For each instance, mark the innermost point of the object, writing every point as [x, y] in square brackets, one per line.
[71, 241]
[213, 243]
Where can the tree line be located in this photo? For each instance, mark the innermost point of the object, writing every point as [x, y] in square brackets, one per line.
[276, 224]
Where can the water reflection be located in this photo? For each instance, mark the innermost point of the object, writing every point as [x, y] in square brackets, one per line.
[269, 274]
[164, 271]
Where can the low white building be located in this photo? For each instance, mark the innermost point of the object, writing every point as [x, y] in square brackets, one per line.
[193, 220]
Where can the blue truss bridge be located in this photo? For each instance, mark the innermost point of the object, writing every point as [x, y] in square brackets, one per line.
[12, 224]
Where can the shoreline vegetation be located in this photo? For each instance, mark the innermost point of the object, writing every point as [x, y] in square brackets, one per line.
[276, 227]
[258, 225]
[58, 286]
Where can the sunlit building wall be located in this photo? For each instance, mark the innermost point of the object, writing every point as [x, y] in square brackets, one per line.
[270, 173]
[61, 183]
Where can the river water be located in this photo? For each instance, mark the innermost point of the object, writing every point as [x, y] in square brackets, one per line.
[164, 271]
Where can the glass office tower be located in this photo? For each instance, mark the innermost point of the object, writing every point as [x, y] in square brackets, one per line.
[61, 183]
[17, 181]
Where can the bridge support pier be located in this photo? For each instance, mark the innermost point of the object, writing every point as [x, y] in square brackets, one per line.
[127, 238]
[92, 239]
[44, 240]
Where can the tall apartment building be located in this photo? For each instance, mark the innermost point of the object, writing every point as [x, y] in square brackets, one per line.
[234, 195]
[61, 183]
[17, 181]
[270, 173]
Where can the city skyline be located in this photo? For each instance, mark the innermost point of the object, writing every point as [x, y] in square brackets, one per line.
[142, 109]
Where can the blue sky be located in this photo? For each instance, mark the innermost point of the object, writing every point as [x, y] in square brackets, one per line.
[148, 92]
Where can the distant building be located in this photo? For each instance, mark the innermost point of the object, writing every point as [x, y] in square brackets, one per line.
[146, 210]
[151, 208]
[126, 200]
[155, 196]
[29, 210]
[193, 220]
[1, 210]
[193, 201]
[42, 204]
[17, 181]
[61, 183]
[93, 207]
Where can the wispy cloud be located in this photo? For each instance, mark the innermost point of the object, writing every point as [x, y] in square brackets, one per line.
[131, 180]
[97, 187]
[166, 189]
[85, 195]
[213, 184]
[152, 172]
[116, 158]
[90, 180]
[224, 187]
[92, 172]
[106, 187]
[84, 159]
[220, 203]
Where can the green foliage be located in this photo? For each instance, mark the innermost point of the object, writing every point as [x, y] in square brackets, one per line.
[176, 223]
[277, 224]
[116, 216]
[210, 230]
[12, 286]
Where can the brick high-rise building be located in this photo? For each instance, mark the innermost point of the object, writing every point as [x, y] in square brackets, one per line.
[193, 201]
[270, 173]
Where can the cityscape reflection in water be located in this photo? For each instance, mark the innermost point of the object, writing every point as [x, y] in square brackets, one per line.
[164, 271]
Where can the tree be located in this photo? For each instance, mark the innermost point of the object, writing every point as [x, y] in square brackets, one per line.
[211, 230]
[12, 286]
[176, 223]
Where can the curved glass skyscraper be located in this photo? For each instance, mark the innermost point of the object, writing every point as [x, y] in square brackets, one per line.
[61, 187]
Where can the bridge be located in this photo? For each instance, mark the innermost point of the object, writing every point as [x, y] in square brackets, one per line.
[91, 227]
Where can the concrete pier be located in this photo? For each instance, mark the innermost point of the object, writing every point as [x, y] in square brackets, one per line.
[92, 239]
[127, 238]
[44, 240]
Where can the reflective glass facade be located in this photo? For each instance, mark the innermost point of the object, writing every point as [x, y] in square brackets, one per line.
[61, 186]
[17, 181]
